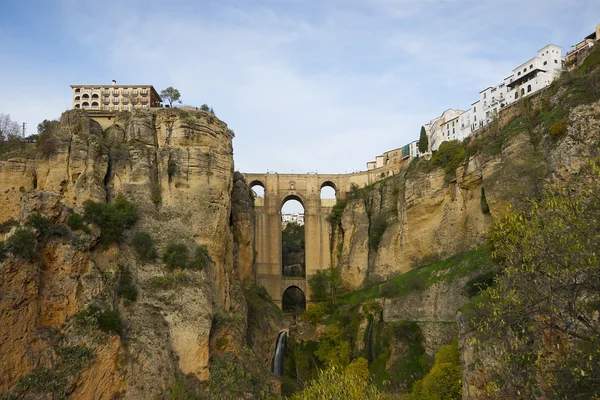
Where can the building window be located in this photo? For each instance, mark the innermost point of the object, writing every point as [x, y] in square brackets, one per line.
[144, 91]
[135, 91]
[125, 91]
[116, 91]
[518, 74]
[530, 66]
[522, 92]
[528, 88]
[516, 95]
[115, 99]
[555, 61]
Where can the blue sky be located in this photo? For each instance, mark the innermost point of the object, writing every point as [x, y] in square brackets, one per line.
[306, 85]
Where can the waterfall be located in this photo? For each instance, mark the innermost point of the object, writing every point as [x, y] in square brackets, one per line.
[369, 338]
[279, 352]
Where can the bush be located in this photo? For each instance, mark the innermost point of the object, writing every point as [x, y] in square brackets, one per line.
[110, 321]
[91, 319]
[22, 244]
[335, 218]
[315, 312]
[113, 219]
[201, 259]
[7, 225]
[45, 227]
[75, 222]
[479, 283]
[558, 129]
[176, 256]
[333, 350]
[443, 380]
[126, 289]
[449, 156]
[348, 384]
[74, 358]
[144, 246]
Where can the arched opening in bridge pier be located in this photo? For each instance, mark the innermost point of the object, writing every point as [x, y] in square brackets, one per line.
[258, 189]
[293, 300]
[292, 238]
[328, 191]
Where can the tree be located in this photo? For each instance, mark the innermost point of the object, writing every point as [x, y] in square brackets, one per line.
[351, 383]
[8, 127]
[423, 141]
[325, 285]
[333, 350]
[538, 325]
[46, 142]
[171, 95]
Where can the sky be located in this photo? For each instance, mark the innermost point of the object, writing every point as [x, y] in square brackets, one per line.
[307, 85]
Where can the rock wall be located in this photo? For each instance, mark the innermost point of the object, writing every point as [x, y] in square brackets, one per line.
[177, 167]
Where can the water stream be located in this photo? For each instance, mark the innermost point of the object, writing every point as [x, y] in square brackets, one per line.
[279, 353]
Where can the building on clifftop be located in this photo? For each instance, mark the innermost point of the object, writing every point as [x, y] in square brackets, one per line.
[114, 97]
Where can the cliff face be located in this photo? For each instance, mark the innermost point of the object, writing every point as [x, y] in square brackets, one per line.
[424, 214]
[177, 168]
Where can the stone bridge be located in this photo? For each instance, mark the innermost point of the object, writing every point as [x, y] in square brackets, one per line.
[279, 188]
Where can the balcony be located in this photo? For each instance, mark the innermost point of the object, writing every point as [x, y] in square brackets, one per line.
[144, 100]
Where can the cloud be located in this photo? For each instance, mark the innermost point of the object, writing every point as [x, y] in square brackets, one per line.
[306, 85]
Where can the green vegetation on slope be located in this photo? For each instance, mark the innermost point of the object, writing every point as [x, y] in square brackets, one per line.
[538, 322]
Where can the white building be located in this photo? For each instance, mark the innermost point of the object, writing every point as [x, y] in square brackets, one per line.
[298, 218]
[536, 73]
[443, 128]
[526, 79]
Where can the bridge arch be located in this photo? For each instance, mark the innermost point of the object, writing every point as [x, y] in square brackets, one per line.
[293, 300]
[296, 197]
[257, 184]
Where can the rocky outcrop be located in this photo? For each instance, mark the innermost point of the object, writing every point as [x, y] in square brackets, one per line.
[177, 167]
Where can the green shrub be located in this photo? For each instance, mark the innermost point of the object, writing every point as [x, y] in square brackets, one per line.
[113, 219]
[335, 218]
[74, 358]
[110, 321]
[43, 381]
[22, 244]
[352, 383]
[144, 246]
[176, 256]
[170, 281]
[7, 225]
[91, 319]
[333, 349]
[417, 283]
[443, 380]
[75, 222]
[315, 312]
[558, 129]
[450, 155]
[201, 259]
[45, 227]
[126, 289]
[479, 283]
